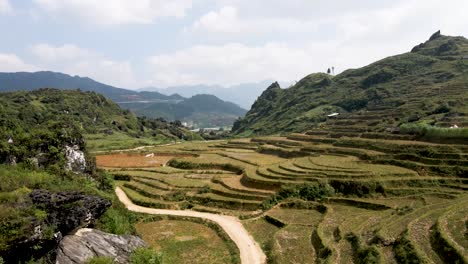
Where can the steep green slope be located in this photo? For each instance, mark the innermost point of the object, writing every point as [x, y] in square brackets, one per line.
[428, 85]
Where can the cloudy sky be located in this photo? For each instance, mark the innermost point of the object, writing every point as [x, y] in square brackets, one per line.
[140, 43]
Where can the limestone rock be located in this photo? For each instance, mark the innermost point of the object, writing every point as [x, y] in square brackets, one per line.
[87, 243]
[76, 161]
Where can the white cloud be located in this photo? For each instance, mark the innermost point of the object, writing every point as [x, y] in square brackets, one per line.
[72, 59]
[232, 63]
[227, 20]
[65, 52]
[116, 12]
[304, 37]
[12, 63]
[5, 7]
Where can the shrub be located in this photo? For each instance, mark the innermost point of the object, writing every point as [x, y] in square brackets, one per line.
[307, 191]
[118, 220]
[122, 177]
[204, 189]
[145, 256]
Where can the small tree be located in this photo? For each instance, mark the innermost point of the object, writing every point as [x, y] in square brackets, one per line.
[328, 71]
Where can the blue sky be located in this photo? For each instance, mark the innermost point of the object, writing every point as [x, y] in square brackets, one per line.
[139, 43]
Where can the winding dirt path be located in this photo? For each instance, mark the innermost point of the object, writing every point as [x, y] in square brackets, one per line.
[250, 251]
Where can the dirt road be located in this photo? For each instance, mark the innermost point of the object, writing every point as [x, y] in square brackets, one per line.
[250, 251]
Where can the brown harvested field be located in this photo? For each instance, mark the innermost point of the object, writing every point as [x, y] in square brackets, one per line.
[132, 160]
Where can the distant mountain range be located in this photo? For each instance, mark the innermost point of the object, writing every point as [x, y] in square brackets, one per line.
[243, 94]
[200, 110]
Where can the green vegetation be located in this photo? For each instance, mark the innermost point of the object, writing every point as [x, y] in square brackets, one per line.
[146, 256]
[118, 220]
[138, 256]
[425, 86]
[371, 200]
[306, 191]
[18, 214]
[36, 129]
[34, 120]
[435, 133]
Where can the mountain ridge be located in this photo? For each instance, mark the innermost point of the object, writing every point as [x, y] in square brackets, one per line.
[148, 103]
[243, 94]
[428, 86]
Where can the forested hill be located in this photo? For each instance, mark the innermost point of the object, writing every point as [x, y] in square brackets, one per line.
[88, 112]
[428, 85]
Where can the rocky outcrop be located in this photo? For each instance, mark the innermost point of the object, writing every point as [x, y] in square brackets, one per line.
[59, 214]
[69, 210]
[75, 159]
[87, 243]
[436, 35]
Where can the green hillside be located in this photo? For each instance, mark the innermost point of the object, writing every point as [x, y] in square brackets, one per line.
[427, 86]
[202, 110]
[99, 119]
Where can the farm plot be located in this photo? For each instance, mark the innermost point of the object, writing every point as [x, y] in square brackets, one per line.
[184, 242]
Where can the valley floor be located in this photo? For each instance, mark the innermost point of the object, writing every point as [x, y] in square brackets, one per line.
[386, 201]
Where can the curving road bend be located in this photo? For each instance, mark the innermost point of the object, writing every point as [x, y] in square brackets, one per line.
[250, 251]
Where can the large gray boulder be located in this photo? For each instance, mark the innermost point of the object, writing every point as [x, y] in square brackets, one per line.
[87, 243]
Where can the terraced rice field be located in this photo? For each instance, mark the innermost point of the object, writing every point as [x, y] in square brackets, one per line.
[394, 200]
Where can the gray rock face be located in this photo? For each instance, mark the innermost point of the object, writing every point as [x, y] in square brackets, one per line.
[69, 210]
[87, 243]
[76, 161]
[66, 212]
